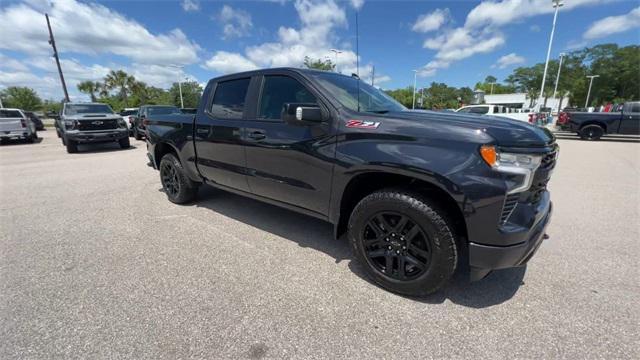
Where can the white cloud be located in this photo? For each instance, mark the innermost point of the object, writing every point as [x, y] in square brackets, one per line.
[90, 28]
[431, 21]
[481, 31]
[236, 22]
[508, 60]
[7, 63]
[534, 28]
[314, 38]
[190, 5]
[613, 25]
[226, 62]
[357, 4]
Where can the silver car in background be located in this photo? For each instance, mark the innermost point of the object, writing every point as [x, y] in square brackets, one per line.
[14, 124]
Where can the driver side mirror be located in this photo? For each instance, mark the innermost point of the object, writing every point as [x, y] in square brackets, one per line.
[301, 113]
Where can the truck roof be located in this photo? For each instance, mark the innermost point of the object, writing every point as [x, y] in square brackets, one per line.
[279, 69]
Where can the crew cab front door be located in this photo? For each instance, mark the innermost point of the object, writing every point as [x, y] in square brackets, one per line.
[218, 135]
[285, 162]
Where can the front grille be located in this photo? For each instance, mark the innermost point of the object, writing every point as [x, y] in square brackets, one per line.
[510, 203]
[89, 125]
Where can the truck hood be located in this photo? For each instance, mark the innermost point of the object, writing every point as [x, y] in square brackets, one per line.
[97, 116]
[506, 132]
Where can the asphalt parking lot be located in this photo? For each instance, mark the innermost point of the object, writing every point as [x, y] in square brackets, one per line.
[96, 263]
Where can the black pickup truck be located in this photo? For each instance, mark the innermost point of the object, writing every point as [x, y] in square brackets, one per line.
[593, 125]
[414, 190]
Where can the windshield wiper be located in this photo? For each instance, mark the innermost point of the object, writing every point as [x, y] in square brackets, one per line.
[378, 111]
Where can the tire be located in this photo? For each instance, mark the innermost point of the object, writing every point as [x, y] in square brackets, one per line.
[136, 134]
[175, 183]
[64, 142]
[424, 246]
[591, 132]
[33, 137]
[124, 143]
[58, 133]
[72, 146]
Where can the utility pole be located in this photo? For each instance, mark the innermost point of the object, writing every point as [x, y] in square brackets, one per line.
[373, 74]
[586, 103]
[491, 88]
[555, 89]
[179, 83]
[336, 52]
[556, 4]
[52, 41]
[415, 75]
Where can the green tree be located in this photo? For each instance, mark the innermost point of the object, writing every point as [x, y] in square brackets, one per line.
[403, 96]
[20, 97]
[490, 79]
[91, 88]
[191, 94]
[318, 64]
[120, 81]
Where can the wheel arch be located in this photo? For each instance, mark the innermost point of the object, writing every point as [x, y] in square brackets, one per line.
[163, 148]
[368, 182]
[594, 122]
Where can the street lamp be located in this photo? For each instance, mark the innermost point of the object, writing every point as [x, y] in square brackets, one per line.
[179, 67]
[586, 103]
[336, 52]
[555, 89]
[491, 87]
[556, 4]
[415, 78]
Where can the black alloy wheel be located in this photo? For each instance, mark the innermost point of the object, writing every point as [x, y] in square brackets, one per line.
[396, 246]
[169, 178]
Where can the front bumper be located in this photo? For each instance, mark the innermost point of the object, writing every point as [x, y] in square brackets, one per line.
[485, 258]
[97, 136]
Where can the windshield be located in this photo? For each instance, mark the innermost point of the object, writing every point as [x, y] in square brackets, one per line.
[345, 90]
[163, 110]
[75, 109]
[128, 112]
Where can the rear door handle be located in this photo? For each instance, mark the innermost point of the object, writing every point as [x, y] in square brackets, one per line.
[257, 135]
[202, 130]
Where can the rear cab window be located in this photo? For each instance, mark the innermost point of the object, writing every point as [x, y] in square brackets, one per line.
[10, 114]
[229, 99]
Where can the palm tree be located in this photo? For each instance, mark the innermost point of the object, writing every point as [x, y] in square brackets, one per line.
[121, 81]
[140, 90]
[91, 88]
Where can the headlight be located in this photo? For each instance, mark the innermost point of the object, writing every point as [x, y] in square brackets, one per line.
[71, 124]
[523, 166]
[122, 123]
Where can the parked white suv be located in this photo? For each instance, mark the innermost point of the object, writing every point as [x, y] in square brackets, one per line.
[14, 124]
[495, 110]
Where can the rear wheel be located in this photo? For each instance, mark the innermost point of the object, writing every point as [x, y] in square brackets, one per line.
[591, 132]
[175, 182]
[404, 242]
[124, 143]
[72, 146]
[33, 137]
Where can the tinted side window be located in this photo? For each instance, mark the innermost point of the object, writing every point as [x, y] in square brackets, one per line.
[278, 90]
[228, 101]
[480, 109]
[634, 108]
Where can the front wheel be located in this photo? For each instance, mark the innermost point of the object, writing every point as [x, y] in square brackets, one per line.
[124, 143]
[591, 132]
[136, 134]
[72, 146]
[175, 182]
[404, 242]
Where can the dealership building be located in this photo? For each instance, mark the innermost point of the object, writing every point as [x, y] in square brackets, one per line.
[515, 100]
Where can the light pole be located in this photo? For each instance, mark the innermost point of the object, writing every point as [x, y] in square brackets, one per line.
[179, 67]
[555, 89]
[336, 52]
[415, 78]
[556, 4]
[491, 88]
[586, 103]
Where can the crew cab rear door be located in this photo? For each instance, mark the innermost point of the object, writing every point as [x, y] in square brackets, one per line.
[290, 163]
[218, 134]
[630, 121]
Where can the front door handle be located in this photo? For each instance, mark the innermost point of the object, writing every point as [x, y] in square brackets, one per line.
[202, 130]
[257, 135]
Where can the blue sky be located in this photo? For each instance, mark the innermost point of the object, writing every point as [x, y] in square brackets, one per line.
[456, 42]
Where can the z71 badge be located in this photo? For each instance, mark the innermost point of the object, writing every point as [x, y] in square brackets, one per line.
[362, 124]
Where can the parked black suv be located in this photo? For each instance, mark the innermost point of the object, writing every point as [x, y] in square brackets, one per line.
[145, 112]
[413, 190]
